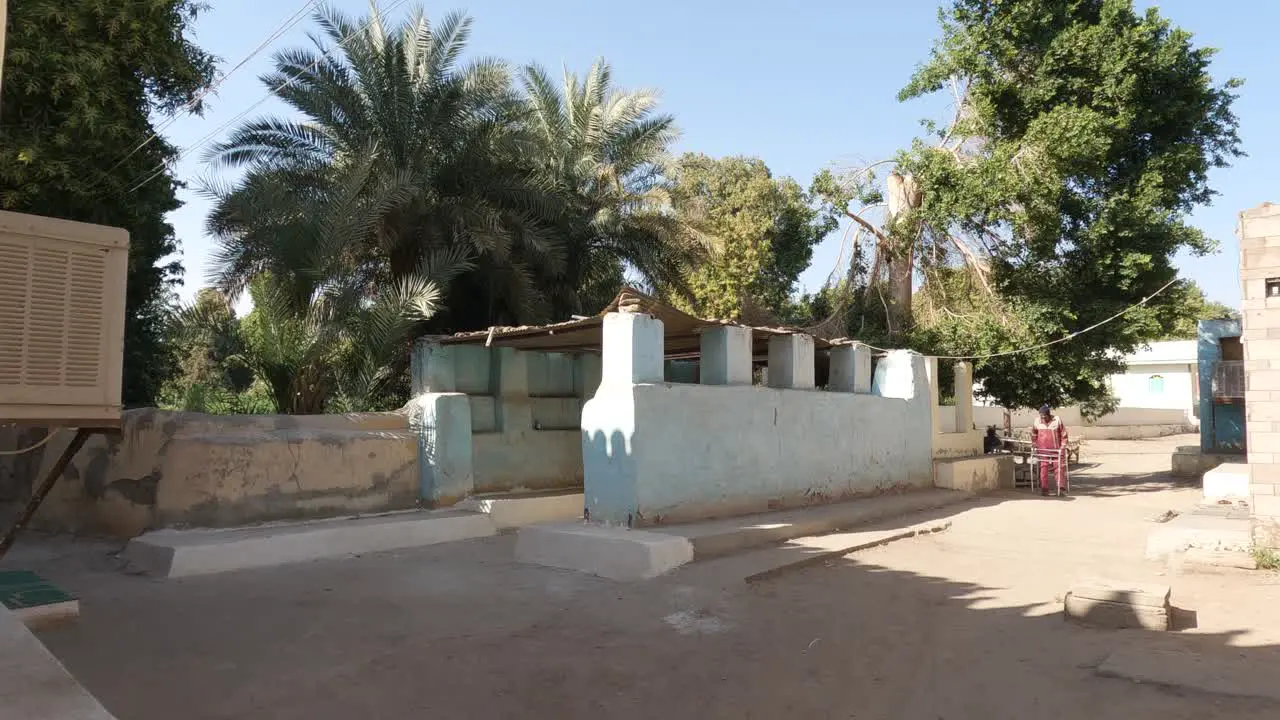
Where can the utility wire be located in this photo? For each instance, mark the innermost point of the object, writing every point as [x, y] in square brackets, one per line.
[191, 104]
[160, 167]
[1062, 339]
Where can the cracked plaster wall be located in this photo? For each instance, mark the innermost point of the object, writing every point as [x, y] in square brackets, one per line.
[173, 469]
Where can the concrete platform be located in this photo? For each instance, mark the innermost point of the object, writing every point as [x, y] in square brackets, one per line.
[513, 510]
[622, 554]
[33, 684]
[1229, 481]
[178, 553]
[1217, 528]
[981, 473]
[721, 537]
[610, 552]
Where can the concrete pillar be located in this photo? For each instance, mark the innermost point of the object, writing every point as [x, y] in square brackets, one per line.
[726, 356]
[963, 374]
[443, 421]
[431, 368]
[850, 368]
[903, 375]
[791, 362]
[510, 385]
[633, 349]
[586, 377]
[931, 370]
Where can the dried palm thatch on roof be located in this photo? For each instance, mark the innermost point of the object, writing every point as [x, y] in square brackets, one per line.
[682, 331]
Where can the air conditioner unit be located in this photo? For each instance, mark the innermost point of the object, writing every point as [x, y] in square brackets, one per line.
[62, 300]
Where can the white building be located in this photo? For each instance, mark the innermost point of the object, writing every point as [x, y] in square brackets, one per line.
[1158, 393]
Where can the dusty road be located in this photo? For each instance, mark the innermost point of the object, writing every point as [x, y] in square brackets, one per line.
[957, 625]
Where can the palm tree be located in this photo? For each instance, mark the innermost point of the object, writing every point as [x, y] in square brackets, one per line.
[328, 327]
[427, 148]
[605, 150]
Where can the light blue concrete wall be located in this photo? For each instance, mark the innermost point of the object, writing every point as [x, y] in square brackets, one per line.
[1221, 426]
[662, 452]
[522, 419]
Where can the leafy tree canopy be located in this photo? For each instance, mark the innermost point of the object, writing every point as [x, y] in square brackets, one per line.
[81, 80]
[761, 229]
[1083, 137]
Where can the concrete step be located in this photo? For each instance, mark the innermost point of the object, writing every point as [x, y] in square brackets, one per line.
[179, 553]
[806, 551]
[721, 537]
[625, 554]
[513, 510]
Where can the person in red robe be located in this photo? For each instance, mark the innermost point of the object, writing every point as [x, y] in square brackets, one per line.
[1048, 433]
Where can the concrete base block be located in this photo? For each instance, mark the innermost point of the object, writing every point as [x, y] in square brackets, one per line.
[177, 553]
[1227, 481]
[513, 511]
[610, 552]
[1188, 461]
[974, 474]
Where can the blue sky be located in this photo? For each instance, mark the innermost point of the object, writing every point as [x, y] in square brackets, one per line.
[802, 87]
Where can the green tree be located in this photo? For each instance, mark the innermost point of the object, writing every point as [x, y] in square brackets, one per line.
[428, 148]
[1193, 307]
[81, 81]
[326, 331]
[1083, 136]
[208, 347]
[761, 229]
[605, 149]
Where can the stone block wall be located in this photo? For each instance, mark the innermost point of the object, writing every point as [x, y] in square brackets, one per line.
[1259, 233]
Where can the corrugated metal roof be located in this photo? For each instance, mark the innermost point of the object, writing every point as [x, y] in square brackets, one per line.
[682, 331]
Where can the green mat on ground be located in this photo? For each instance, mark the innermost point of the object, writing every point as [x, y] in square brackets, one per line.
[21, 589]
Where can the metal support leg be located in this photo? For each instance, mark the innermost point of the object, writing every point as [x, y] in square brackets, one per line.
[38, 495]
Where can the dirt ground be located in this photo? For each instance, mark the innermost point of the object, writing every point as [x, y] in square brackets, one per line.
[962, 624]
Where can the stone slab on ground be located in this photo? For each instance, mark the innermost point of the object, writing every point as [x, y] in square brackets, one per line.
[802, 552]
[1143, 594]
[1220, 670]
[1114, 615]
[611, 552]
[1226, 529]
[33, 684]
[513, 510]
[177, 553]
[722, 537]
[1116, 604]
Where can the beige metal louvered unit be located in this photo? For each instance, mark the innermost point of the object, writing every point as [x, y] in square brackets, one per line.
[62, 287]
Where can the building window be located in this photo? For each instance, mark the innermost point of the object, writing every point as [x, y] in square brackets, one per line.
[1155, 384]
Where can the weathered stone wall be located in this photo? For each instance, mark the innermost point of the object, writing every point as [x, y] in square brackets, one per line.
[1260, 267]
[170, 469]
